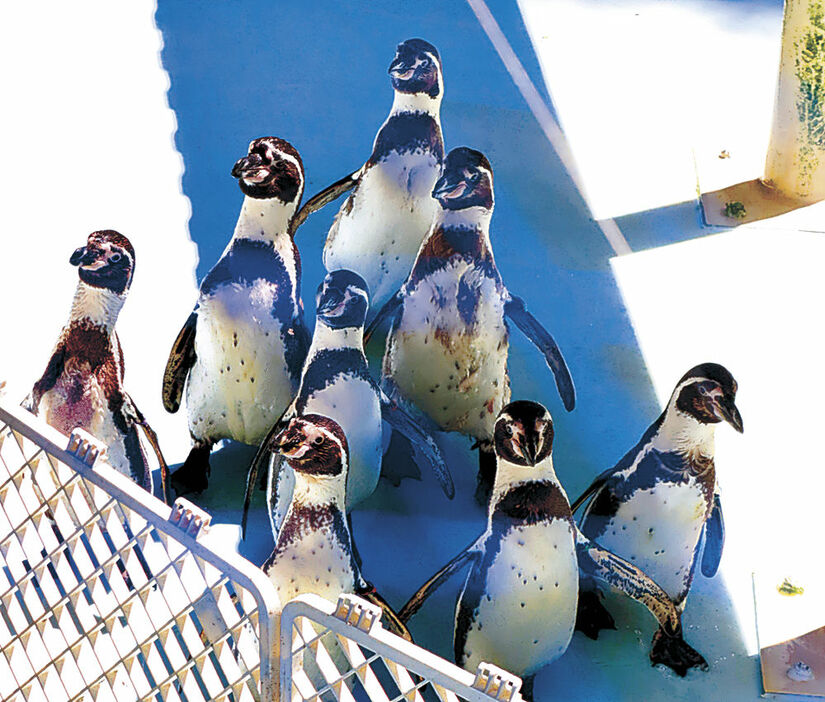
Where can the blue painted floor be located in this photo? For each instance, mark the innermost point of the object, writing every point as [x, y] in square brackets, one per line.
[316, 74]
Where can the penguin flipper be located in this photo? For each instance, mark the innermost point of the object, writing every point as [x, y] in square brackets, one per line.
[327, 195]
[603, 565]
[594, 487]
[714, 540]
[46, 382]
[467, 556]
[261, 456]
[152, 438]
[515, 309]
[425, 450]
[390, 310]
[181, 359]
[391, 621]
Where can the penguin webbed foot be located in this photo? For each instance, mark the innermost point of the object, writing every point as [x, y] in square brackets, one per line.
[397, 464]
[193, 475]
[592, 616]
[676, 653]
[527, 683]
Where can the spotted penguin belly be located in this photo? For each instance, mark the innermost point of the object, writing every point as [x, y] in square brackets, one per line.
[526, 613]
[317, 563]
[380, 228]
[452, 365]
[658, 529]
[240, 383]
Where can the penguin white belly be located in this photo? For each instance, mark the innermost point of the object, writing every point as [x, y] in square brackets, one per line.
[454, 371]
[353, 403]
[527, 612]
[239, 384]
[379, 230]
[316, 563]
[78, 400]
[657, 530]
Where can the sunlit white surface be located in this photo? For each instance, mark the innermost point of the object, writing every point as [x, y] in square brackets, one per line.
[747, 299]
[646, 92]
[87, 144]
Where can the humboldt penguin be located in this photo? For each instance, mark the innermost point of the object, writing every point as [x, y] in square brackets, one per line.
[447, 348]
[380, 226]
[517, 608]
[336, 383]
[82, 385]
[660, 503]
[240, 353]
[314, 549]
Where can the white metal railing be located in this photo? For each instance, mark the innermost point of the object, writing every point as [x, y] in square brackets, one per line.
[342, 652]
[106, 593]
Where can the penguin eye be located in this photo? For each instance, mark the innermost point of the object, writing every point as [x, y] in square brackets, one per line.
[115, 257]
[508, 430]
[318, 440]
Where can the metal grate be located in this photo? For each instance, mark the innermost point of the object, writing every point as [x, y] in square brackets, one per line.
[108, 594]
[341, 653]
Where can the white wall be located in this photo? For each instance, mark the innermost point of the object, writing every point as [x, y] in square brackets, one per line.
[86, 138]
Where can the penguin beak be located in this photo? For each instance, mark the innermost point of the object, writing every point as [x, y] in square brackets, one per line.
[448, 189]
[725, 409]
[333, 305]
[77, 257]
[85, 257]
[251, 168]
[290, 444]
[525, 446]
[400, 69]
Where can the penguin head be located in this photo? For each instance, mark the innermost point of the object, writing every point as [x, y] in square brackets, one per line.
[313, 445]
[707, 393]
[523, 433]
[466, 181]
[416, 68]
[107, 261]
[272, 169]
[342, 300]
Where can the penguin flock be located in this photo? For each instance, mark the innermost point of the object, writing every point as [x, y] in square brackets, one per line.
[410, 249]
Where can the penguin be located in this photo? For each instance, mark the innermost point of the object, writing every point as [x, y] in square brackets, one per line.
[314, 550]
[240, 353]
[660, 502]
[380, 226]
[82, 385]
[447, 348]
[517, 608]
[337, 384]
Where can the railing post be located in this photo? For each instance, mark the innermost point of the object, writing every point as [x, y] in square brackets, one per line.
[795, 164]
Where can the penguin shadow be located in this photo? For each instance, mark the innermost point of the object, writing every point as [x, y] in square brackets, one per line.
[617, 667]
[223, 500]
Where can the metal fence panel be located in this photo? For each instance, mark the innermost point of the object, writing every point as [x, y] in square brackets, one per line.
[342, 653]
[108, 594]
